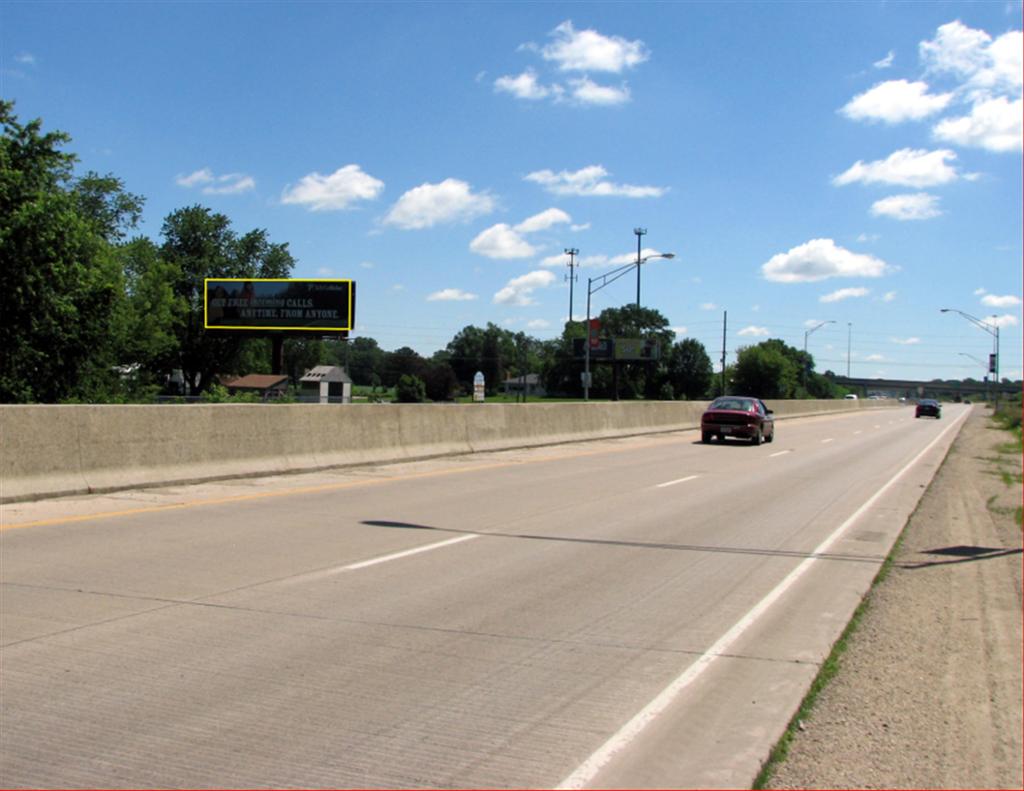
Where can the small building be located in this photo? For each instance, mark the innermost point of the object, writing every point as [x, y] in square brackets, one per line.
[269, 387]
[529, 384]
[327, 383]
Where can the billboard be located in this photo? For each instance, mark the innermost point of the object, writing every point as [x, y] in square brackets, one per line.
[636, 349]
[618, 349]
[294, 305]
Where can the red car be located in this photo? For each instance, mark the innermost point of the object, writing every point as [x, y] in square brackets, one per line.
[738, 416]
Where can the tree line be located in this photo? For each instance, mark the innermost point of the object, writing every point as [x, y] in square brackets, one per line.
[93, 313]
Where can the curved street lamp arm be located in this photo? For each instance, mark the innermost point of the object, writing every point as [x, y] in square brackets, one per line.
[973, 319]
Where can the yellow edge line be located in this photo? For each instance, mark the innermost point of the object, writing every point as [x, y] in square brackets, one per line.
[327, 487]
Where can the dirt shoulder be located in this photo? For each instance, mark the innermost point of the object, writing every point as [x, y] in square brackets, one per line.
[929, 689]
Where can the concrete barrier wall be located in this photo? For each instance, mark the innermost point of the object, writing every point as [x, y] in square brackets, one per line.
[49, 451]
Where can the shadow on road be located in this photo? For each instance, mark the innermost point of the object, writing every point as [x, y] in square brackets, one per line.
[782, 553]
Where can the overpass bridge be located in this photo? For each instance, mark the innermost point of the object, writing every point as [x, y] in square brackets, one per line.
[909, 388]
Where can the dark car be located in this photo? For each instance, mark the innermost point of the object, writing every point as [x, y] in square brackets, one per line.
[738, 416]
[929, 407]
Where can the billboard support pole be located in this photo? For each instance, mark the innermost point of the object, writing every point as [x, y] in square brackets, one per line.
[277, 355]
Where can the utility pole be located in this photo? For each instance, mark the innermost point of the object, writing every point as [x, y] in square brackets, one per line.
[572, 252]
[725, 324]
[639, 235]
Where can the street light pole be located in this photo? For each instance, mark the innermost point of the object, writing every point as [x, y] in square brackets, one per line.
[640, 232]
[806, 335]
[604, 280]
[993, 330]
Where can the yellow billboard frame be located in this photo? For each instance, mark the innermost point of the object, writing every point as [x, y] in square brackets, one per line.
[322, 330]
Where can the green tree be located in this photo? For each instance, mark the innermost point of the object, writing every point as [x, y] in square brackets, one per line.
[201, 244]
[61, 285]
[410, 390]
[490, 350]
[402, 362]
[439, 378]
[365, 360]
[561, 367]
[688, 369]
[149, 344]
[765, 371]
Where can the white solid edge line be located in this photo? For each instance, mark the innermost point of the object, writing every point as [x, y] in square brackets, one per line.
[677, 480]
[586, 771]
[780, 453]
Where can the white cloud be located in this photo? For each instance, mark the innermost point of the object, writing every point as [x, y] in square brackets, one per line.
[588, 50]
[229, 184]
[451, 295]
[541, 222]
[889, 296]
[1006, 320]
[204, 176]
[896, 101]
[519, 290]
[538, 324]
[523, 86]
[994, 301]
[820, 259]
[885, 62]
[586, 91]
[501, 241]
[582, 227]
[757, 332]
[906, 167]
[679, 330]
[335, 192]
[430, 204]
[557, 260]
[844, 293]
[589, 181]
[995, 125]
[918, 206]
[874, 358]
[985, 66]
[708, 306]
[907, 341]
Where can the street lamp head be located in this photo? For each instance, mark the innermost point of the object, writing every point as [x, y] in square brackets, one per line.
[668, 255]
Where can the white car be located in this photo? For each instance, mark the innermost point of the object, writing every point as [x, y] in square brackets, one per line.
[850, 397]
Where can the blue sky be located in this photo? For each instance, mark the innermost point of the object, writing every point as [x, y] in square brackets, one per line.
[858, 163]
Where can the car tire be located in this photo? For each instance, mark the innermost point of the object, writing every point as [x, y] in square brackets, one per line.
[756, 439]
[705, 437]
[770, 437]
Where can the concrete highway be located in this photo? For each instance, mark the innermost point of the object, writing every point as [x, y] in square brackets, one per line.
[643, 612]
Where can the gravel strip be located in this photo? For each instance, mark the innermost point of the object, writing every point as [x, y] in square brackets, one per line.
[929, 690]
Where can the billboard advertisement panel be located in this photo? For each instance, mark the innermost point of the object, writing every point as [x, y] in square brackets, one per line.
[294, 304]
